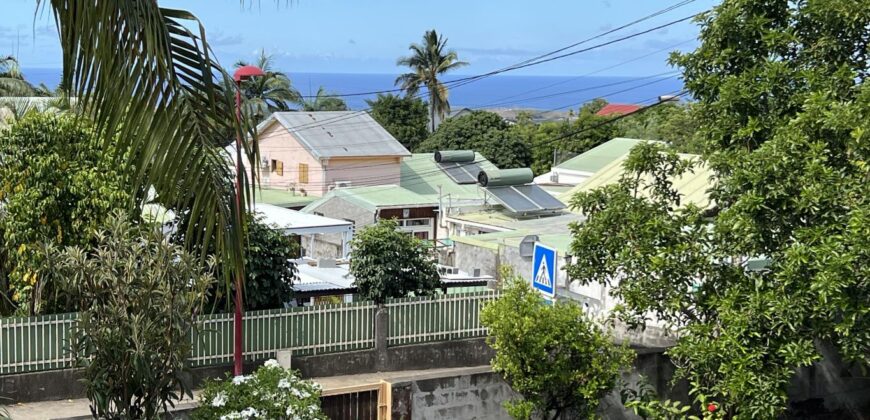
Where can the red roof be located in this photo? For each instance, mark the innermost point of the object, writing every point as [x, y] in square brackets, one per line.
[611, 109]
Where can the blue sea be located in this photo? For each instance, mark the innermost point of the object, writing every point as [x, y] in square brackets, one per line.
[501, 91]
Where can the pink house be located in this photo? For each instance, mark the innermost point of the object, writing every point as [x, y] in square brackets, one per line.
[314, 152]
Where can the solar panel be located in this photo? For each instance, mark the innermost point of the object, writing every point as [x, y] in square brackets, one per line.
[461, 172]
[525, 198]
[540, 197]
[513, 200]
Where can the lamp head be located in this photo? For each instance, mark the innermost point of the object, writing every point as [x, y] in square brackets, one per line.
[247, 72]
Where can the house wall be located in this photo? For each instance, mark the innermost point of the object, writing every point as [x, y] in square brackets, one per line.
[363, 171]
[278, 144]
[329, 245]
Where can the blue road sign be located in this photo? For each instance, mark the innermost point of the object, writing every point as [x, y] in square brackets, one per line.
[544, 270]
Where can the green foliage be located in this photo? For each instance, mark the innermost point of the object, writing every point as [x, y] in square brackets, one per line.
[271, 392]
[323, 101]
[137, 297]
[269, 93]
[269, 269]
[484, 132]
[644, 402]
[555, 356]
[784, 119]
[388, 263]
[403, 117]
[427, 62]
[57, 184]
[540, 136]
[675, 124]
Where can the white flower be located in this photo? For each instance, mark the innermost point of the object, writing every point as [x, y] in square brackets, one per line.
[219, 400]
[231, 416]
[283, 384]
[271, 363]
[238, 380]
[290, 411]
[250, 412]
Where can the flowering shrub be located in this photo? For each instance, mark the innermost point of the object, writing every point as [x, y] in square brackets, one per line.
[271, 392]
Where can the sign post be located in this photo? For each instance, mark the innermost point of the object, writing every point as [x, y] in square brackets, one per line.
[544, 270]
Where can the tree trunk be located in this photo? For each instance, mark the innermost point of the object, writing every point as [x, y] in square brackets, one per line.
[431, 111]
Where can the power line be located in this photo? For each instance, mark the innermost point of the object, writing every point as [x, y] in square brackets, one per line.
[546, 142]
[546, 57]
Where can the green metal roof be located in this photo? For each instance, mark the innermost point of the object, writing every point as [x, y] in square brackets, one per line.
[282, 198]
[692, 186]
[421, 174]
[375, 197]
[560, 241]
[593, 160]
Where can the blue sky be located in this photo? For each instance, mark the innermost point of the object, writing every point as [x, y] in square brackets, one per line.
[346, 36]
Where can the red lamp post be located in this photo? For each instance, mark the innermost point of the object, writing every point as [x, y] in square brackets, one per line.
[242, 73]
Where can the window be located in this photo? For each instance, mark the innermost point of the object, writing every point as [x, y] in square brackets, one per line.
[274, 165]
[303, 173]
[279, 168]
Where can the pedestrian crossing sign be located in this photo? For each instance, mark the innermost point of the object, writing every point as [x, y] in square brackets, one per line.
[544, 266]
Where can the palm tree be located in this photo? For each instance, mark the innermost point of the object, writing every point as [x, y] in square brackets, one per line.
[323, 101]
[427, 62]
[270, 93]
[12, 81]
[158, 99]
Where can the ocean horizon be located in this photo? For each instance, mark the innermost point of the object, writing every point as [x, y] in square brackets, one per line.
[557, 93]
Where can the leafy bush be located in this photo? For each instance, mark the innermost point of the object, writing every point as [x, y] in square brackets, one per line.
[484, 132]
[58, 184]
[388, 263]
[271, 392]
[557, 358]
[269, 269]
[138, 298]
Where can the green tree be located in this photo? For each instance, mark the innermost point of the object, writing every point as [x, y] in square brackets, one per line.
[388, 263]
[428, 61]
[671, 123]
[484, 132]
[57, 186]
[403, 117]
[783, 116]
[586, 131]
[323, 101]
[269, 93]
[137, 297]
[555, 356]
[269, 267]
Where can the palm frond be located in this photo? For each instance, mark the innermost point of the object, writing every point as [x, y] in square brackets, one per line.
[155, 93]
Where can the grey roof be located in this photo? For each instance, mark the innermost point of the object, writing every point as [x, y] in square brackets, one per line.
[329, 134]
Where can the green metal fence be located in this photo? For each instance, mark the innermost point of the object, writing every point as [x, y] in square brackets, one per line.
[307, 330]
[37, 343]
[438, 318]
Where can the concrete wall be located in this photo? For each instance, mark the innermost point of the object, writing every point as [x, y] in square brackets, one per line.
[475, 395]
[469, 257]
[329, 245]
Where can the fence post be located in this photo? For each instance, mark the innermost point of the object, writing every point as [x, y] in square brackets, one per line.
[382, 333]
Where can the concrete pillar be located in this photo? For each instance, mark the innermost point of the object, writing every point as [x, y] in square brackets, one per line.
[382, 331]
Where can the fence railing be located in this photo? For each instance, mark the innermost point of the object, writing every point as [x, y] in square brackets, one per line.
[40, 343]
[439, 318]
[306, 330]
[35, 343]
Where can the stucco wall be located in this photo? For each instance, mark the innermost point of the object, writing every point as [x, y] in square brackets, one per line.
[278, 144]
[363, 171]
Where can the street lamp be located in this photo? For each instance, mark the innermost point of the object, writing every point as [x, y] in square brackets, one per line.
[241, 74]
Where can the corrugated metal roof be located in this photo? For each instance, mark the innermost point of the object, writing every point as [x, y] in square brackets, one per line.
[692, 186]
[610, 109]
[421, 174]
[329, 134]
[600, 156]
[374, 197]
